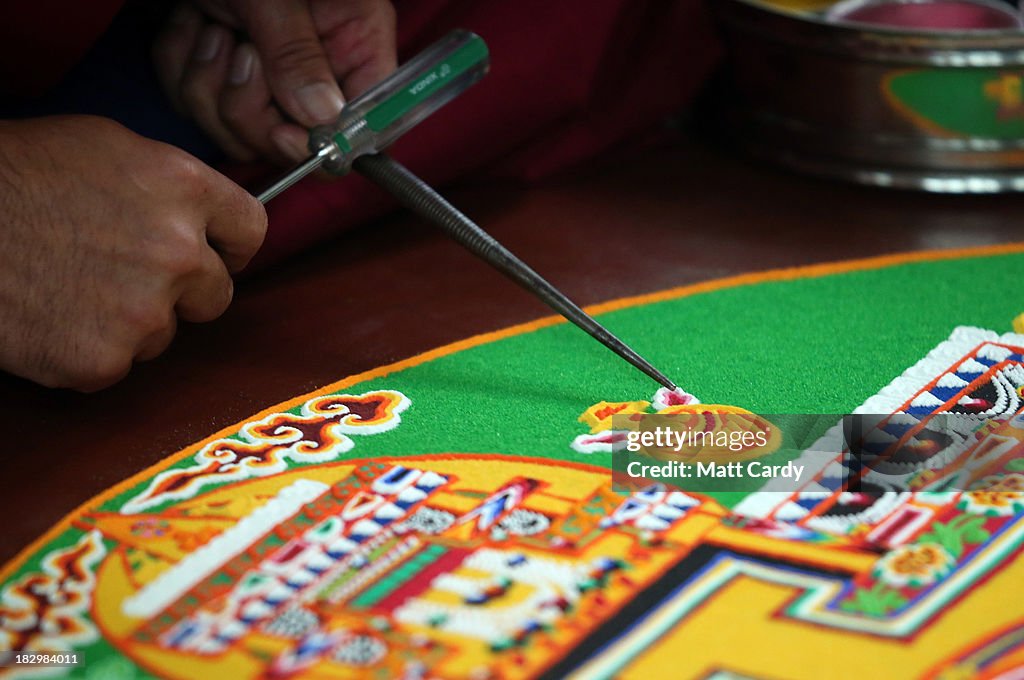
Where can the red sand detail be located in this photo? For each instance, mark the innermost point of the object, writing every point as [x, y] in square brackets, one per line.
[444, 564]
[675, 399]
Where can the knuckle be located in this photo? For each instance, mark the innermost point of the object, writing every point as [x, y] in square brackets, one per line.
[102, 126]
[233, 111]
[297, 54]
[109, 367]
[183, 167]
[101, 130]
[146, 316]
[103, 369]
[187, 174]
[214, 302]
[180, 251]
[227, 294]
[156, 343]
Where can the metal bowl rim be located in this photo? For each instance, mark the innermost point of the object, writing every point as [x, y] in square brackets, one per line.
[851, 27]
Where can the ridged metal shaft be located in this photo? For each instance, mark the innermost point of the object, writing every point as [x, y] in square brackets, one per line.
[418, 196]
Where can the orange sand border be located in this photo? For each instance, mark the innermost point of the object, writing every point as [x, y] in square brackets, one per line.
[772, 275]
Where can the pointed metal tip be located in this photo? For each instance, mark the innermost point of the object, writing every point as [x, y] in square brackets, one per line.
[294, 175]
[658, 376]
[666, 383]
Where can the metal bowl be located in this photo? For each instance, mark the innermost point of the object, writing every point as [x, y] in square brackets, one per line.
[934, 110]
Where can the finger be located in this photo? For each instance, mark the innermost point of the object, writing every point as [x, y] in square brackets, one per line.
[235, 223]
[297, 69]
[360, 40]
[172, 48]
[291, 141]
[202, 82]
[206, 294]
[234, 220]
[246, 105]
[114, 372]
[154, 344]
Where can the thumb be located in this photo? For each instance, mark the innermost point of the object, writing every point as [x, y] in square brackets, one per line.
[297, 69]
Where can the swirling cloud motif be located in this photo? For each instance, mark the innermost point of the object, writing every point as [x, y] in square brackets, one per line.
[44, 611]
[321, 431]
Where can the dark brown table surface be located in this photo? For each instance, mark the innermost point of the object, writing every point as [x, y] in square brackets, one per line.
[658, 219]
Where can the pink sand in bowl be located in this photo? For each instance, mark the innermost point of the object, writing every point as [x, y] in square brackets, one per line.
[951, 15]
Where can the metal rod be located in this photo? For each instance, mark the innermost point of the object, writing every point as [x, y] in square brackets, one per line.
[294, 175]
[419, 197]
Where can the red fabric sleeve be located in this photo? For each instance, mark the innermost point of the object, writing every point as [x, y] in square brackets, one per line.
[568, 80]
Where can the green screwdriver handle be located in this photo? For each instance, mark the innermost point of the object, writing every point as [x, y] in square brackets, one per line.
[371, 122]
[425, 83]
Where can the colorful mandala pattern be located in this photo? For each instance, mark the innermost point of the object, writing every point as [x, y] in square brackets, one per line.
[271, 554]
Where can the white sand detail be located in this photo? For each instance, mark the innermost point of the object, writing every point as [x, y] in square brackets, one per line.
[162, 591]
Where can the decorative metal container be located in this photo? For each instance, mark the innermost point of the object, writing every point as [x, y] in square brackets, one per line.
[934, 110]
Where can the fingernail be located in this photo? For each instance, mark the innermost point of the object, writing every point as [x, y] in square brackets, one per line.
[292, 146]
[241, 65]
[321, 101]
[209, 43]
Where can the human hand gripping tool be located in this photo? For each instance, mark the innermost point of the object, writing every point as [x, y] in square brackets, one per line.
[371, 122]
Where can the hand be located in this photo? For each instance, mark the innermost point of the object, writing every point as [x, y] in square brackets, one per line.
[257, 95]
[108, 239]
